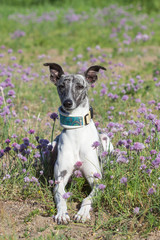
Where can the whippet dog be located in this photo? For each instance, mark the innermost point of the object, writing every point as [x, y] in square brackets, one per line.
[75, 143]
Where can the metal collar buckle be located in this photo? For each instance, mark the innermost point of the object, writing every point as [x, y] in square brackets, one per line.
[87, 119]
[88, 116]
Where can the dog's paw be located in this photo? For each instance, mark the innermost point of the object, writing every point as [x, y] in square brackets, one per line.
[62, 218]
[83, 215]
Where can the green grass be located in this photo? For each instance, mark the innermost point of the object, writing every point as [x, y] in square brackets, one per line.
[85, 4]
[51, 41]
[46, 35]
[48, 237]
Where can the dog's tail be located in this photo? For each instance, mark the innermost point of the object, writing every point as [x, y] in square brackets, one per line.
[105, 147]
[106, 142]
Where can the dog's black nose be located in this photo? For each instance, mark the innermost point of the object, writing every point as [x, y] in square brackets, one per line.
[68, 103]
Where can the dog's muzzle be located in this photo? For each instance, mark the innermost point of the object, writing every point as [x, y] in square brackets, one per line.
[68, 103]
[68, 121]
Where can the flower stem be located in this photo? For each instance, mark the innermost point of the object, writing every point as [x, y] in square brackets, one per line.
[52, 131]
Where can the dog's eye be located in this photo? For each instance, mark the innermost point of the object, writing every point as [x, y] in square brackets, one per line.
[79, 86]
[61, 87]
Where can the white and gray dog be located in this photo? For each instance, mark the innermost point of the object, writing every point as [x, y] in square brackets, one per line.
[75, 143]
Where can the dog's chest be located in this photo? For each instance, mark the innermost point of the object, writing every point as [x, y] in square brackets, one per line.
[80, 139]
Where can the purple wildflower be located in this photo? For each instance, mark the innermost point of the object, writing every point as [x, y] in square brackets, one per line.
[149, 171]
[97, 175]
[9, 101]
[10, 50]
[24, 120]
[122, 159]
[17, 121]
[111, 108]
[136, 210]
[123, 180]
[102, 186]
[20, 51]
[17, 34]
[51, 182]
[157, 125]
[104, 154]
[66, 195]
[7, 176]
[11, 93]
[7, 149]
[78, 164]
[156, 162]
[138, 146]
[34, 180]
[26, 179]
[1, 153]
[26, 141]
[7, 141]
[103, 92]
[13, 58]
[54, 116]
[153, 152]
[37, 138]
[96, 144]
[143, 167]
[151, 191]
[78, 173]
[25, 108]
[24, 159]
[31, 131]
[142, 158]
[96, 124]
[125, 98]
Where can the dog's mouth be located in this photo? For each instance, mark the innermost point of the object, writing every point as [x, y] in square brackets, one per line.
[67, 109]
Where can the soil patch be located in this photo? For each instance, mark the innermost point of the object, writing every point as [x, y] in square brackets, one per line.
[26, 220]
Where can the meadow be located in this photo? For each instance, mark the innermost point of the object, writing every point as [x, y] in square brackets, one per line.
[126, 101]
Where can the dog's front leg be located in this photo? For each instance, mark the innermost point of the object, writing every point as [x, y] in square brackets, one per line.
[90, 167]
[84, 213]
[62, 215]
[62, 176]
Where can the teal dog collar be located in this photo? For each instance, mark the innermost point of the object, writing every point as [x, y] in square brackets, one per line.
[69, 121]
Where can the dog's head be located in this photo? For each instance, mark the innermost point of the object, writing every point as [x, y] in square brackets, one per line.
[72, 88]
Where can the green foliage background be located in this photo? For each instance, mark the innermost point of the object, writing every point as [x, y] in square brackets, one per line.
[146, 5]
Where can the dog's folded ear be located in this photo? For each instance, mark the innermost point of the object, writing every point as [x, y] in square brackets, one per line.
[91, 73]
[55, 71]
